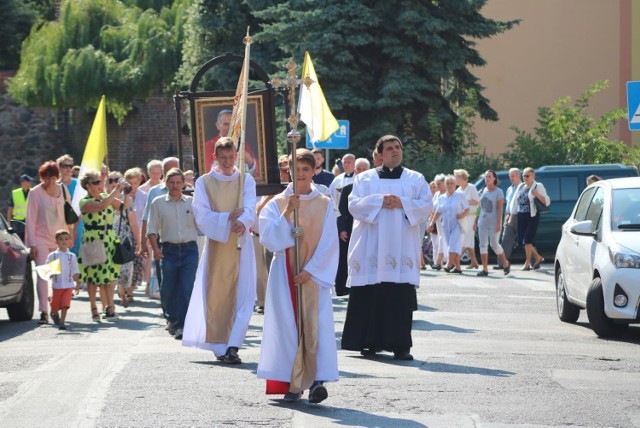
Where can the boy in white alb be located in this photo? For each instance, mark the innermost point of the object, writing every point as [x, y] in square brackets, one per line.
[65, 281]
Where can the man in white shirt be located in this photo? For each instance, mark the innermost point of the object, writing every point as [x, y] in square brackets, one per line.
[510, 226]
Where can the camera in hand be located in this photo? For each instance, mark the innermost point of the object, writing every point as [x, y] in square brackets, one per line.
[127, 187]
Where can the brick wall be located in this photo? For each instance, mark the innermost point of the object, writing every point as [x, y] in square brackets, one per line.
[29, 136]
[148, 132]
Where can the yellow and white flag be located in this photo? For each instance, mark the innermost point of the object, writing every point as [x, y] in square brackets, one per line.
[52, 268]
[313, 108]
[94, 152]
[236, 116]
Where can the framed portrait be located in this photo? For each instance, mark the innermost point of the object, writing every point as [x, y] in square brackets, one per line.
[212, 121]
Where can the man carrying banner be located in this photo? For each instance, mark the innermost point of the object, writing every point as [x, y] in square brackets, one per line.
[291, 367]
[225, 287]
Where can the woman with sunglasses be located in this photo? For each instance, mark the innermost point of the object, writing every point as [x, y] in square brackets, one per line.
[98, 210]
[45, 216]
[523, 204]
[114, 178]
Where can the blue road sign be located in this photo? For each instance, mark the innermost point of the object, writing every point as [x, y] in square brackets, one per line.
[337, 140]
[633, 105]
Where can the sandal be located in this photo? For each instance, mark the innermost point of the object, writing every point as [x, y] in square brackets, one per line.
[110, 314]
[44, 318]
[95, 315]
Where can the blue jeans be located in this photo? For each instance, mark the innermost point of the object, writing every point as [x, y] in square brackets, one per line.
[179, 264]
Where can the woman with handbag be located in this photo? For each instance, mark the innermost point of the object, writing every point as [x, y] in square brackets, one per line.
[523, 203]
[126, 228]
[130, 279]
[473, 200]
[98, 269]
[45, 216]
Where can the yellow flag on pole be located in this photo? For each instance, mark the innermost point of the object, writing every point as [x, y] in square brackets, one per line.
[51, 268]
[94, 152]
[313, 108]
[236, 116]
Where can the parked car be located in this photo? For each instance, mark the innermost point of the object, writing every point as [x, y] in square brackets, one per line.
[597, 265]
[563, 183]
[16, 278]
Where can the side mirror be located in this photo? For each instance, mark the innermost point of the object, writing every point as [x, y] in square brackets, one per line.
[583, 228]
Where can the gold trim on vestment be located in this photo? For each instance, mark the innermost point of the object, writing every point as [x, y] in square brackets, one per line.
[311, 218]
[223, 264]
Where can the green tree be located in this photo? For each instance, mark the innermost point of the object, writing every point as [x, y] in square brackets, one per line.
[567, 134]
[101, 47]
[18, 16]
[388, 65]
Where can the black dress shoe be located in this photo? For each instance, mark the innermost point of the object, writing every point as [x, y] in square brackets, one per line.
[369, 352]
[317, 393]
[507, 270]
[403, 356]
[482, 273]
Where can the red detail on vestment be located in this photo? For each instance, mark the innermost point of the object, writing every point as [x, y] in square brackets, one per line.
[276, 386]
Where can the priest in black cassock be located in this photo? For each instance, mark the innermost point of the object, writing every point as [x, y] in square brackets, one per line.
[388, 204]
[345, 225]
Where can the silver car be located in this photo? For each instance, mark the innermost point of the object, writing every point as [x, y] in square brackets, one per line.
[597, 265]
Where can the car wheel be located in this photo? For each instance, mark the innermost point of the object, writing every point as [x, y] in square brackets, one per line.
[601, 324]
[22, 310]
[567, 311]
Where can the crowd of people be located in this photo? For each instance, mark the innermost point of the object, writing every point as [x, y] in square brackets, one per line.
[217, 253]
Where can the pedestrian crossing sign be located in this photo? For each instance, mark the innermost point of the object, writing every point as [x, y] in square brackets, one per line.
[633, 105]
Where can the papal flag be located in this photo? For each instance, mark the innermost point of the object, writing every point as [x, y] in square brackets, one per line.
[313, 108]
[51, 268]
[94, 152]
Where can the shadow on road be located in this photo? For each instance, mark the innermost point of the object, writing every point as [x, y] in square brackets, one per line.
[346, 417]
[632, 335]
[455, 368]
[428, 326]
[252, 367]
[11, 329]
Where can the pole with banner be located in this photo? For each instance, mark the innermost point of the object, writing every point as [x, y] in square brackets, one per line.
[239, 119]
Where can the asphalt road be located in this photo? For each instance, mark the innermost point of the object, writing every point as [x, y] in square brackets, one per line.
[490, 352]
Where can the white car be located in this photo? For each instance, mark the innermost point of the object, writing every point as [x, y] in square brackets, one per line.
[597, 264]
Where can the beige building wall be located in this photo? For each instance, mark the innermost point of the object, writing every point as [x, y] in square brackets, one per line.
[559, 49]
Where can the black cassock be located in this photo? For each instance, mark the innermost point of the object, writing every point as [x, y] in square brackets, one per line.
[345, 224]
[379, 316]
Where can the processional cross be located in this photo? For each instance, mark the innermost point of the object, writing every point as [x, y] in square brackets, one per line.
[290, 83]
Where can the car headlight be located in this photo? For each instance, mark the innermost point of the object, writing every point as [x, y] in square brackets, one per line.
[622, 257]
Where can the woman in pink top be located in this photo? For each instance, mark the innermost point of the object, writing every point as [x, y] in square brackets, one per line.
[45, 216]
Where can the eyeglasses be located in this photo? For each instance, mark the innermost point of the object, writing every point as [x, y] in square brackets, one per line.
[66, 165]
[527, 175]
[94, 183]
[113, 180]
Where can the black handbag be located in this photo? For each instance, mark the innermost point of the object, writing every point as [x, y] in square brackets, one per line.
[70, 216]
[540, 206]
[124, 250]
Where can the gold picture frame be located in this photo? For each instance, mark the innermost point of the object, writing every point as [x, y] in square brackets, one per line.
[206, 115]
